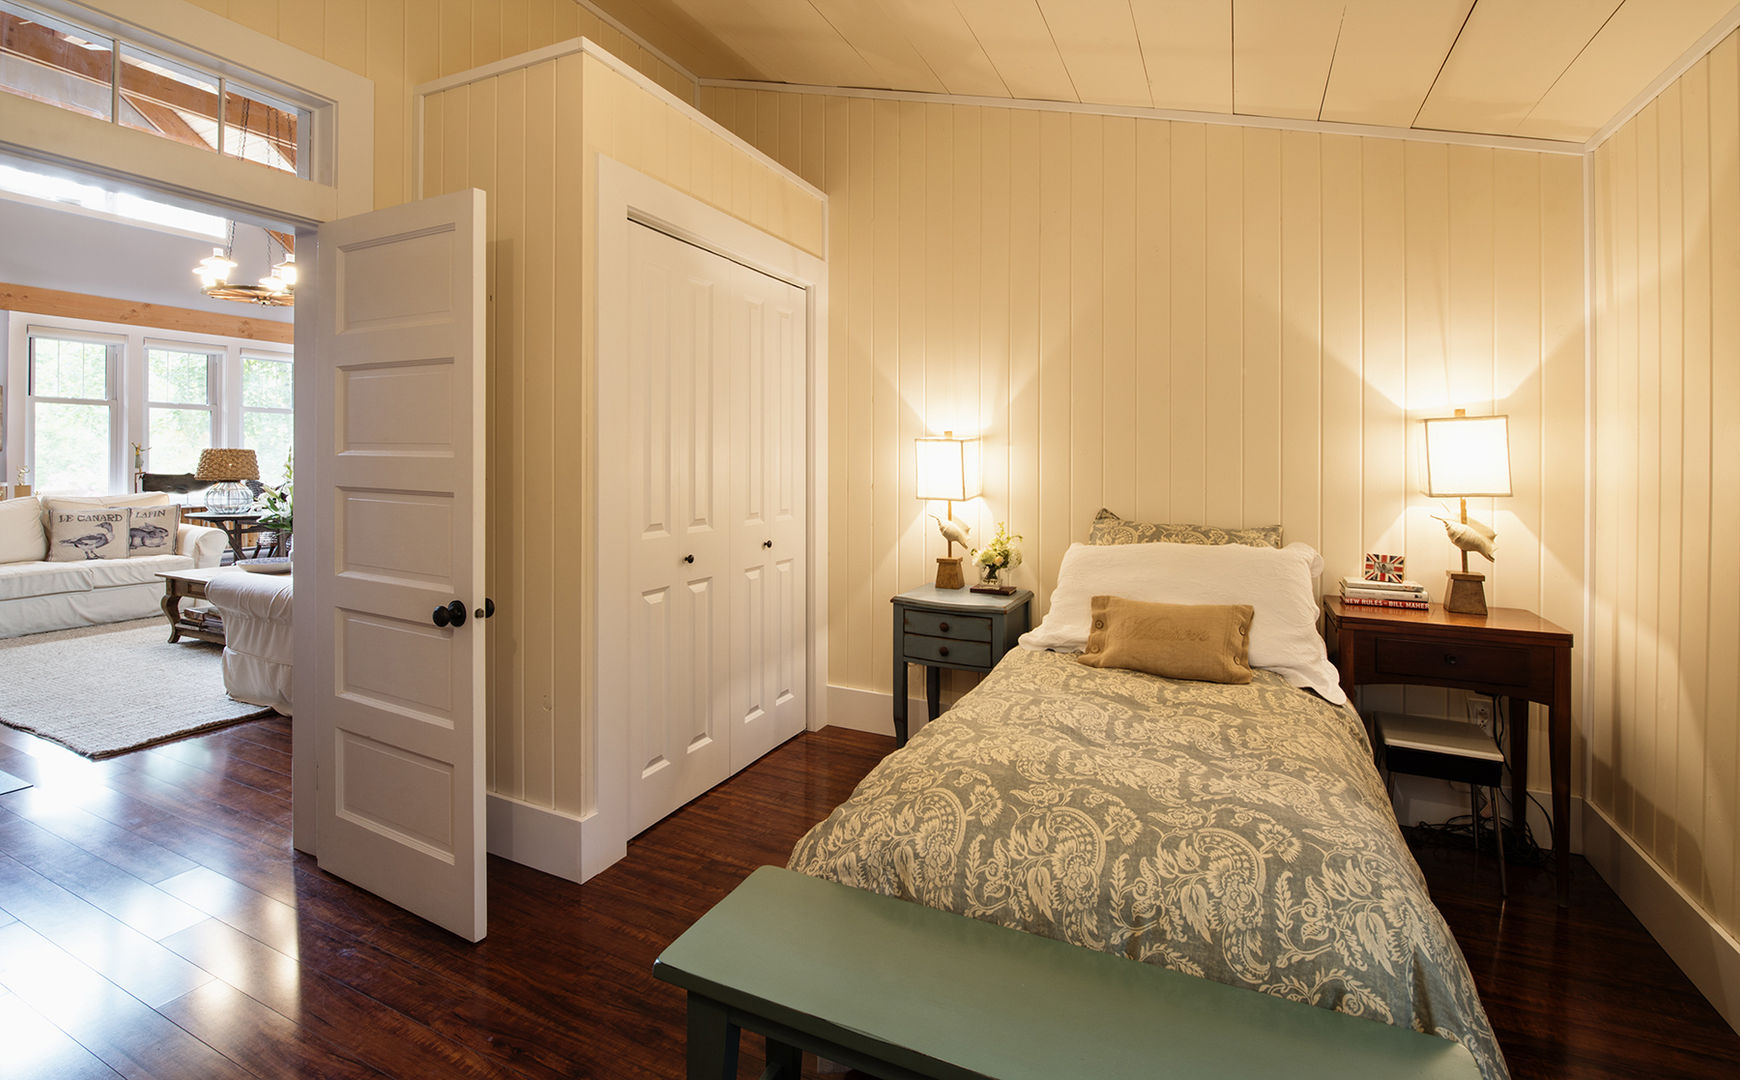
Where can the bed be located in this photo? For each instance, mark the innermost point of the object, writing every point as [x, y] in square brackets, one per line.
[1237, 832]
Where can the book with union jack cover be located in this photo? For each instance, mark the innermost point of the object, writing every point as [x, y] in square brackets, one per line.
[1386, 568]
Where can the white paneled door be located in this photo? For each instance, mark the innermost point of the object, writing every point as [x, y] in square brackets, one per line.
[392, 578]
[715, 428]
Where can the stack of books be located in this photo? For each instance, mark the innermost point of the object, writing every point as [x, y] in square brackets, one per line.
[1400, 594]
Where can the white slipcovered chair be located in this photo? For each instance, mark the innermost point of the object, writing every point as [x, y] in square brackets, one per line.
[256, 610]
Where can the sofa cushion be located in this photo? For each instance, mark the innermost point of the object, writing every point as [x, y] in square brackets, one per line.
[151, 530]
[76, 534]
[21, 579]
[113, 573]
[22, 536]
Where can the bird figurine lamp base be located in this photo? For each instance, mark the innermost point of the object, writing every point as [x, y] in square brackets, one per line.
[1465, 592]
[949, 574]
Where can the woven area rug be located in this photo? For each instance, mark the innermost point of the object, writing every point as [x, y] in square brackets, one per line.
[104, 690]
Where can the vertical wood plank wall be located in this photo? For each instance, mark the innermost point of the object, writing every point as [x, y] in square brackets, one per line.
[530, 139]
[1187, 323]
[1665, 584]
[403, 43]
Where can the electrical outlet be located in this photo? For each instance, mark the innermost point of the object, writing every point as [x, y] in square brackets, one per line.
[1480, 712]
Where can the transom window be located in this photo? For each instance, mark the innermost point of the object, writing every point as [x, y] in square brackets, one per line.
[53, 60]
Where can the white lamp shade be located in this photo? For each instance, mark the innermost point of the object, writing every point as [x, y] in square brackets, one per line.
[948, 468]
[1468, 457]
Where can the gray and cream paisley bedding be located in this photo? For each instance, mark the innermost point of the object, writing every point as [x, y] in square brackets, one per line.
[1235, 832]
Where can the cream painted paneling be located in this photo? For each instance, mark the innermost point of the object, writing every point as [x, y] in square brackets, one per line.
[1186, 47]
[403, 43]
[1282, 52]
[1387, 57]
[1553, 69]
[529, 138]
[1665, 585]
[1636, 45]
[1507, 56]
[1182, 322]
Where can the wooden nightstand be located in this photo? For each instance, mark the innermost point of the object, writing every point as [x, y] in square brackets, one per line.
[1508, 652]
[951, 628]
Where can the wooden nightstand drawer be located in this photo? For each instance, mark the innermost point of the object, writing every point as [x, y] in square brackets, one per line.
[1463, 663]
[958, 627]
[932, 650]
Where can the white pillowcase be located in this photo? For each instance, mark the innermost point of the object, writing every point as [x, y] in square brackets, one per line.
[1278, 584]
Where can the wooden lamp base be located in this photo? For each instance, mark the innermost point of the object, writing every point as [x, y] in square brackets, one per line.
[1465, 593]
[949, 574]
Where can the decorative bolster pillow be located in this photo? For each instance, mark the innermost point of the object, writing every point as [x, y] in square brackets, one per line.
[1204, 642]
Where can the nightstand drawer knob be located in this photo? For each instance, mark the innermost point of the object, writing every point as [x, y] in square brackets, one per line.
[1451, 659]
[944, 627]
[942, 650]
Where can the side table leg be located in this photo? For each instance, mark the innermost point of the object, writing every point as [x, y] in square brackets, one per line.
[933, 689]
[783, 1062]
[1559, 751]
[899, 694]
[712, 1041]
[1518, 710]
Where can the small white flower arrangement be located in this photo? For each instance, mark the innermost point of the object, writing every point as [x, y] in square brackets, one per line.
[1000, 555]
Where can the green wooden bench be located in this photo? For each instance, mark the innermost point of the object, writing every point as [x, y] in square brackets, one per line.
[905, 992]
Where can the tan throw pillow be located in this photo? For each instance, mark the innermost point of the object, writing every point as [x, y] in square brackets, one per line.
[1109, 528]
[151, 530]
[75, 535]
[1205, 642]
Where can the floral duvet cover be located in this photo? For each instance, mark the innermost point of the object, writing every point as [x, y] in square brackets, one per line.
[1238, 833]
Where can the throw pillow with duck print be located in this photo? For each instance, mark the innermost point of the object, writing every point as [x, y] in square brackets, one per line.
[78, 535]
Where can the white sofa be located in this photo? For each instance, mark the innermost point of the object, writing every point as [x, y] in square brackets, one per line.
[37, 595]
[256, 610]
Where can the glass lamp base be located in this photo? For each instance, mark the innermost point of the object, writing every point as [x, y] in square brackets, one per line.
[228, 497]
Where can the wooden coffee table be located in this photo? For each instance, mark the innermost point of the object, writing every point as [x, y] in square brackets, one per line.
[189, 584]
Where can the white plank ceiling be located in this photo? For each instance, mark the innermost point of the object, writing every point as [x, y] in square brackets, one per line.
[1548, 69]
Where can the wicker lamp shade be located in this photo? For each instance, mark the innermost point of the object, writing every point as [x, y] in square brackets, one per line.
[221, 465]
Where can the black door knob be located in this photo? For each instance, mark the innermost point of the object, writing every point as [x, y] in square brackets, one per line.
[487, 610]
[453, 614]
[767, 543]
[688, 558]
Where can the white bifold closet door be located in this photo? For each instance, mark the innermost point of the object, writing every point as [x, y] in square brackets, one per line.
[716, 478]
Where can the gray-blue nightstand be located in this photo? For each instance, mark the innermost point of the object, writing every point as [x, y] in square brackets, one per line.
[951, 628]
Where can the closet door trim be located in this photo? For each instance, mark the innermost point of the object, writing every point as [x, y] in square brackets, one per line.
[625, 195]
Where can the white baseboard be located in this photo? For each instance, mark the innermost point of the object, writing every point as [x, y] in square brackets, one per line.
[535, 836]
[1708, 954]
[873, 710]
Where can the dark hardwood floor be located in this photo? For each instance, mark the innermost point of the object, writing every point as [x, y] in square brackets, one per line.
[154, 923]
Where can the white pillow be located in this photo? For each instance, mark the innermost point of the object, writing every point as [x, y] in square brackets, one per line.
[1278, 584]
[22, 537]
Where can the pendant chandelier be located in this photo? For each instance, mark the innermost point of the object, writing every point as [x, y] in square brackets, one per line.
[277, 289]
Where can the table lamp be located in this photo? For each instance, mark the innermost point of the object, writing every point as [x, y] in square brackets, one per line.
[948, 470]
[226, 469]
[1468, 457]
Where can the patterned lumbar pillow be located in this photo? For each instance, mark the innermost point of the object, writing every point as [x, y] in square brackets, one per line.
[75, 535]
[1109, 528]
[151, 530]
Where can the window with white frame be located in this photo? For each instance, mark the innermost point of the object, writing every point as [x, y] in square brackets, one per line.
[74, 411]
[82, 394]
[268, 422]
[181, 417]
